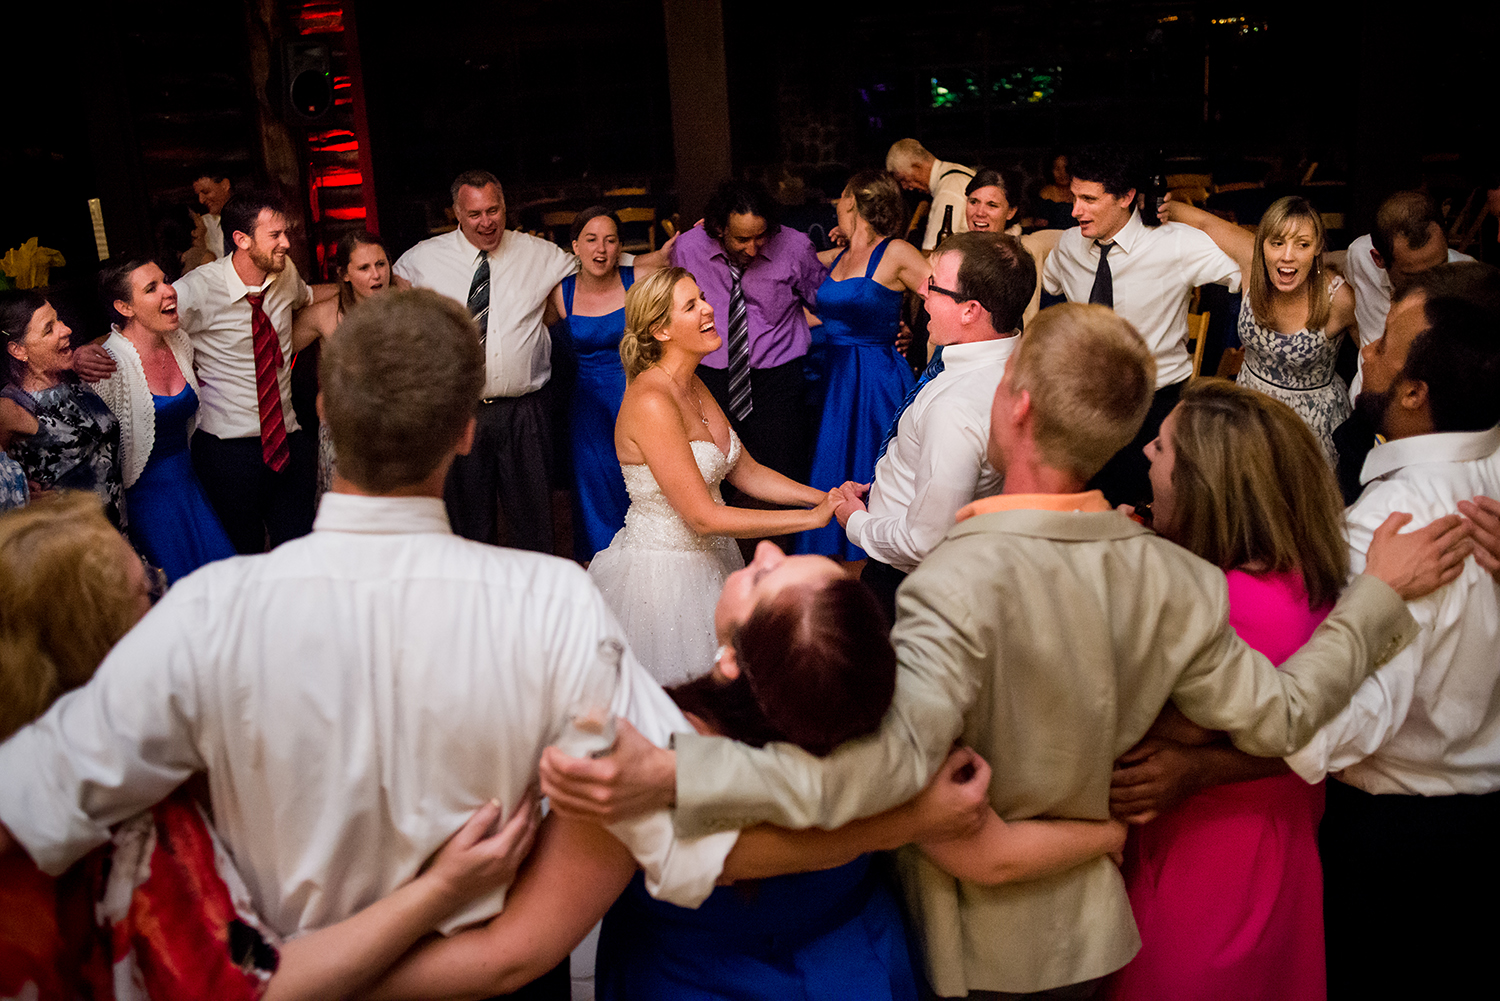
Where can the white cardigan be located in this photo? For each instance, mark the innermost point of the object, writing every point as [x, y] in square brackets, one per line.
[129, 398]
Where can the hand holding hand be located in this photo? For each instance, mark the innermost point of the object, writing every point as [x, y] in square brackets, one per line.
[1150, 779]
[850, 493]
[1418, 563]
[956, 801]
[92, 363]
[635, 778]
[478, 858]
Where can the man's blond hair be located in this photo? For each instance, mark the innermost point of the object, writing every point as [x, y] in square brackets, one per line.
[400, 382]
[1090, 377]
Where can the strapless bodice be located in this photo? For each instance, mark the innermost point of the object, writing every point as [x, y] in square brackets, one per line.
[651, 522]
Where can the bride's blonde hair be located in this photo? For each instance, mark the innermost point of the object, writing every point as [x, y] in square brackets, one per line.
[648, 306]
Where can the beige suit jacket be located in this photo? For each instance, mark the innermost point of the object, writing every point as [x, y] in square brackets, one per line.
[1049, 642]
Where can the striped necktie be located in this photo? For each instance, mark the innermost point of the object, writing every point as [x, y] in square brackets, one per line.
[268, 362]
[740, 403]
[933, 370]
[479, 296]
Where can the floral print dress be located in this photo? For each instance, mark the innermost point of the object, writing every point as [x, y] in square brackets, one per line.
[76, 446]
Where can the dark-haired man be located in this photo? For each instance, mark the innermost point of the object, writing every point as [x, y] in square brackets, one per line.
[504, 279]
[1406, 241]
[213, 190]
[935, 461]
[1412, 809]
[256, 464]
[1144, 273]
[758, 275]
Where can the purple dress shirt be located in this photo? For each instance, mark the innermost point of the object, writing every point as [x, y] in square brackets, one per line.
[777, 284]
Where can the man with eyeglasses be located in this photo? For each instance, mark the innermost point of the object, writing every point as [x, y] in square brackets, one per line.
[933, 460]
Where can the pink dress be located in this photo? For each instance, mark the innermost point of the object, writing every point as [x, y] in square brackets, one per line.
[1227, 889]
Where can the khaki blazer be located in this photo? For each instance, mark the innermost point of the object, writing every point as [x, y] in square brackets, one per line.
[1048, 641]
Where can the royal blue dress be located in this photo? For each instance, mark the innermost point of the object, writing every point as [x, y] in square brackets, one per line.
[171, 524]
[866, 382]
[813, 936]
[599, 497]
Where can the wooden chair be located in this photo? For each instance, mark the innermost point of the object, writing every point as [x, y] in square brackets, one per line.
[646, 215]
[555, 222]
[1197, 338]
[624, 192]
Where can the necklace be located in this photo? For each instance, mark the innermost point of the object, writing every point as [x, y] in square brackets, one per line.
[699, 401]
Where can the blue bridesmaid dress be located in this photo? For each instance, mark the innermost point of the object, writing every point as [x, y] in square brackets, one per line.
[866, 382]
[599, 497]
[171, 524]
[812, 936]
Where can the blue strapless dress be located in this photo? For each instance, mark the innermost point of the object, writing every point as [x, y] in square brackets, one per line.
[599, 497]
[866, 382]
[171, 523]
[813, 936]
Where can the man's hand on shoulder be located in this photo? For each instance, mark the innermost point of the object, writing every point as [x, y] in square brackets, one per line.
[92, 363]
[1484, 522]
[637, 777]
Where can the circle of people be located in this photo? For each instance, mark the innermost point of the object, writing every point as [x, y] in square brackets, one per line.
[1096, 632]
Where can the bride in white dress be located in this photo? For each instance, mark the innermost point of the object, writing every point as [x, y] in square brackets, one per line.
[663, 572]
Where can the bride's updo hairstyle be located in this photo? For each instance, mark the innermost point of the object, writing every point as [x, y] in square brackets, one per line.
[648, 307]
[816, 669]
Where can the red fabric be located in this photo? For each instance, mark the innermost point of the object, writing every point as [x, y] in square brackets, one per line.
[179, 919]
[1227, 889]
[47, 933]
[268, 362]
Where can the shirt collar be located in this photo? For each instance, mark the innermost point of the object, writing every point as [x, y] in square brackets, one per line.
[1451, 446]
[1089, 502]
[238, 289]
[972, 353]
[1129, 233]
[339, 512]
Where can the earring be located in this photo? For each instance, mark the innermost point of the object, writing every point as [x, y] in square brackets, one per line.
[719, 653]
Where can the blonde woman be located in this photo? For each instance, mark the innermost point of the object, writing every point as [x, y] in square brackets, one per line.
[1293, 313]
[665, 568]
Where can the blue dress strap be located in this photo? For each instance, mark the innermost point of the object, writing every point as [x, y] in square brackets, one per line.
[875, 257]
[568, 285]
[627, 278]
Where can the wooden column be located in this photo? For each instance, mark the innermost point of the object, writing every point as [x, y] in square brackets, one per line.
[700, 100]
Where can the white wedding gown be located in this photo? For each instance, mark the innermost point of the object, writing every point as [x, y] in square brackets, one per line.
[662, 579]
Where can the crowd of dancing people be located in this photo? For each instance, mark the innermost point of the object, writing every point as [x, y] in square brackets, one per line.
[1017, 658]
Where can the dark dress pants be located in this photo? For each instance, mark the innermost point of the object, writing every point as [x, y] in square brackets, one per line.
[255, 504]
[1410, 885]
[883, 579]
[1125, 478]
[776, 432]
[506, 472]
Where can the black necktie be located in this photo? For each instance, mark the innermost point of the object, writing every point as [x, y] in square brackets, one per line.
[1103, 291]
[479, 296]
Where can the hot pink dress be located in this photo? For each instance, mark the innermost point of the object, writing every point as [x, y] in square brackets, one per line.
[1227, 889]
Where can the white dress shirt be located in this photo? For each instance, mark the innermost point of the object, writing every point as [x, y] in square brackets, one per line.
[523, 272]
[1372, 296]
[213, 235]
[1154, 270]
[354, 696]
[216, 317]
[939, 459]
[1428, 722]
[947, 183]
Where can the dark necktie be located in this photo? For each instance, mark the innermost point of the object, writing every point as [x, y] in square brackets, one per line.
[268, 359]
[1103, 291]
[934, 368]
[740, 404]
[479, 296]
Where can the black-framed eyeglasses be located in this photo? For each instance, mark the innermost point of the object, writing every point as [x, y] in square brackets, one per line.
[955, 296]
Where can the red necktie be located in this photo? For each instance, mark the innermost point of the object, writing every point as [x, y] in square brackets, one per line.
[273, 448]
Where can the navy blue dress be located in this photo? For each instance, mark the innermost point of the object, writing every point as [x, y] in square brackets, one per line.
[867, 380]
[813, 936]
[171, 524]
[599, 497]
